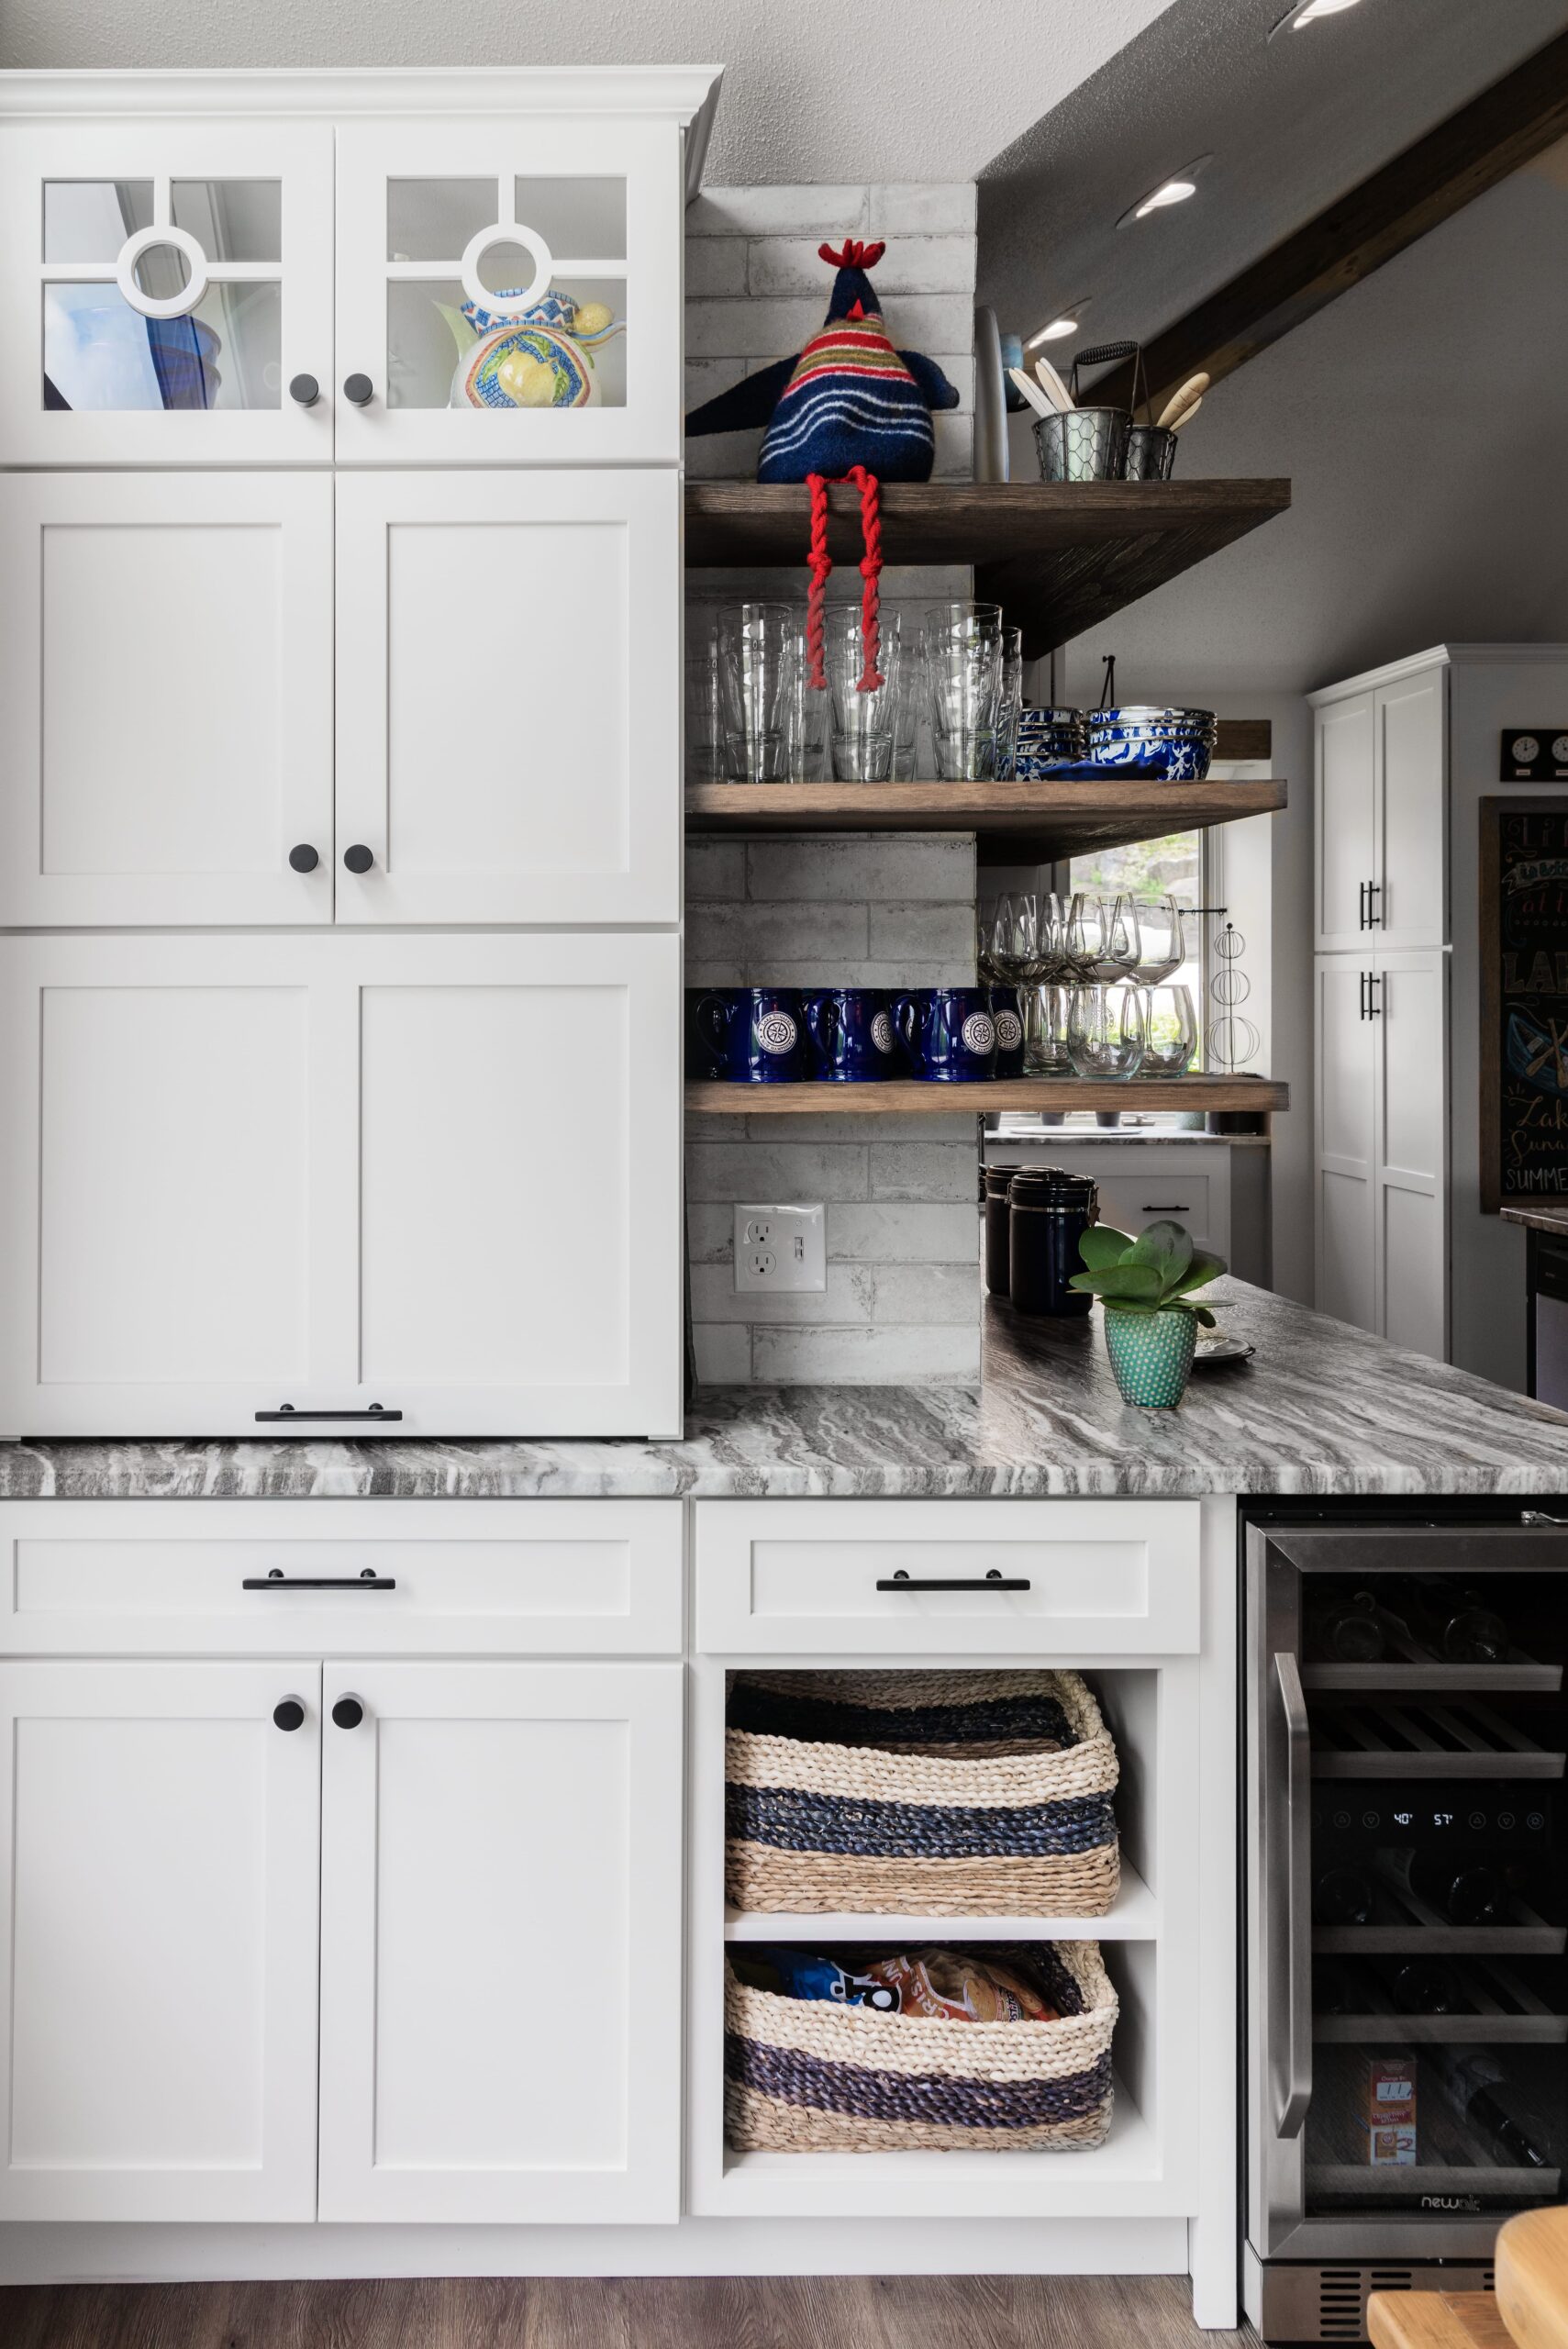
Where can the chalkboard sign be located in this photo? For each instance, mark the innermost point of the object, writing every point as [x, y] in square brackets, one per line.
[1524, 1001]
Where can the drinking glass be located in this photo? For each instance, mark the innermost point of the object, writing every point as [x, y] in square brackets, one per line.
[760, 667]
[963, 678]
[1169, 1031]
[1046, 1010]
[1106, 1031]
[705, 709]
[1162, 941]
[1010, 702]
[865, 725]
[1103, 937]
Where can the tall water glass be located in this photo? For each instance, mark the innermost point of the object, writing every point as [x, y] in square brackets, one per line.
[963, 678]
[1169, 1031]
[704, 709]
[1010, 702]
[760, 663]
[865, 724]
[1106, 1032]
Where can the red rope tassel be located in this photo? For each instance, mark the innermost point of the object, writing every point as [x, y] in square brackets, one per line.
[821, 565]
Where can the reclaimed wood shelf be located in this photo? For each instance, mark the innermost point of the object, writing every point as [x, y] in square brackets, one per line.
[905, 1096]
[1060, 557]
[1015, 823]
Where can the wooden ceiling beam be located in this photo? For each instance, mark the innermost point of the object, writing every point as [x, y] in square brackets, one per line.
[1496, 133]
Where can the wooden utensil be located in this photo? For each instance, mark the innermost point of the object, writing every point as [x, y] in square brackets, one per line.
[1182, 401]
[1032, 392]
[1186, 416]
[1056, 391]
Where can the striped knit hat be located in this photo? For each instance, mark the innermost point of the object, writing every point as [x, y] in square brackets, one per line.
[851, 399]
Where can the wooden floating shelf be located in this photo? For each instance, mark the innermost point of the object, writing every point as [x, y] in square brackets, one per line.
[1015, 823]
[905, 1096]
[1059, 556]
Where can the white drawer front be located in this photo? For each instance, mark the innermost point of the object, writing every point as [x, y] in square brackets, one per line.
[1131, 1201]
[492, 1577]
[802, 1577]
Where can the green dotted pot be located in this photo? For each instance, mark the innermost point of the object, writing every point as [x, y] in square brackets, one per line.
[1151, 1354]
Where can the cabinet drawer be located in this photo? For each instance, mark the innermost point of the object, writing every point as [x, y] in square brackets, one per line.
[801, 1577]
[484, 1577]
[1131, 1201]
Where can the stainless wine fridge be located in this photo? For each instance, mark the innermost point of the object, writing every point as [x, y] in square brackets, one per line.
[1406, 2011]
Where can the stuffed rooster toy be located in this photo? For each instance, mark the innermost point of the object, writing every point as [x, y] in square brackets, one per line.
[851, 407]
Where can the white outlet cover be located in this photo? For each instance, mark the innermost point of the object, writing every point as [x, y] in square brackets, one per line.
[781, 1249]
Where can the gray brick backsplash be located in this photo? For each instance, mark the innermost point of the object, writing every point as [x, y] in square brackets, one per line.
[918, 1355]
[941, 264]
[845, 1301]
[913, 1238]
[947, 1295]
[923, 208]
[902, 1295]
[826, 211]
[782, 1171]
[922, 1170]
[870, 867]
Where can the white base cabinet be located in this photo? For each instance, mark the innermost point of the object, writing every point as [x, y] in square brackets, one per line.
[252, 1175]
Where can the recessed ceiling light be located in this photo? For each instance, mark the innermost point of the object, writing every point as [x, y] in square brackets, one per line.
[1176, 189]
[1058, 329]
[1308, 12]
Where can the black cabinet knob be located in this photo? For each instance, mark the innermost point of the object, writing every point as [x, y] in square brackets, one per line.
[358, 390]
[290, 1714]
[303, 858]
[347, 1712]
[305, 389]
[358, 859]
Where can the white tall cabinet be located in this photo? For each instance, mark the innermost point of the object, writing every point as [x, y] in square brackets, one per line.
[1380, 982]
[340, 722]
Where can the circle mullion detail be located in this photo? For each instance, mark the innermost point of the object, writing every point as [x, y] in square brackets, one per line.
[505, 233]
[171, 305]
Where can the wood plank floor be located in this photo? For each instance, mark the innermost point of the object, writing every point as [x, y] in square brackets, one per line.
[852, 2312]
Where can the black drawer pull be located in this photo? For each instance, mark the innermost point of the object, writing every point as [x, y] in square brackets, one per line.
[1179, 1207]
[288, 1411]
[993, 1580]
[275, 1579]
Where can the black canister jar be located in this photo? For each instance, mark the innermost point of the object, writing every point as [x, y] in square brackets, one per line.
[994, 1182]
[1049, 1211]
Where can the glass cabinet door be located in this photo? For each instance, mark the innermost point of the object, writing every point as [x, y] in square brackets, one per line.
[167, 293]
[509, 292]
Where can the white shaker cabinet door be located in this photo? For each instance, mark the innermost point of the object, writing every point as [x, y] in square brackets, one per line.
[1346, 1144]
[167, 291]
[509, 682]
[166, 698]
[450, 231]
[316, 1180]
[1411, 1139]
[501, 1942]
[1344, 848]
[160, 1830]
[1412, 810]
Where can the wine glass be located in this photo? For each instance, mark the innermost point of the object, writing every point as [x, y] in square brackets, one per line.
[1015, 941]
[1163, 940]
[1103, 942]
[1106, 1031]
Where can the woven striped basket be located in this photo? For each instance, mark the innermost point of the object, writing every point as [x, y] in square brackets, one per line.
[956, 1794]
[807, 2076]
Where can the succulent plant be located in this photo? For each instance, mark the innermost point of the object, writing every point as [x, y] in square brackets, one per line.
[1153, 1274]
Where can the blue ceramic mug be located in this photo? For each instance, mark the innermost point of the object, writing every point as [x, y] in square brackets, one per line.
[948, 1033]
[1006, 1014]
[761, 1033]
[852, 1030]
[708, 1014]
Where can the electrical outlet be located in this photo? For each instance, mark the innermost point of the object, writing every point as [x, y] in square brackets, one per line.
[781, 1248]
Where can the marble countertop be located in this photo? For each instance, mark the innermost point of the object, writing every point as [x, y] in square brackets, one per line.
[1538, 1218]
[1320, 1408]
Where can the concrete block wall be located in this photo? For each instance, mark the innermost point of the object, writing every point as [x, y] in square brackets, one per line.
[756, 291]
[903, 1297]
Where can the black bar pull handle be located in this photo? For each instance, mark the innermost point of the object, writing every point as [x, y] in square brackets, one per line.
[1373, 913]
[993, 1579]
[275, 1579]
[1362, 921]
[288, 1411]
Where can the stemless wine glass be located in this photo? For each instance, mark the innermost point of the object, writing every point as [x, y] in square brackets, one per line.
[1046, 1009]
[1162, 941]
[1170, 1031]
[1103, 937]
[1106, 1031]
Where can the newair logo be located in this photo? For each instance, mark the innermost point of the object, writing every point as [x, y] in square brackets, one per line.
[1467, 2205]
[1530, 986]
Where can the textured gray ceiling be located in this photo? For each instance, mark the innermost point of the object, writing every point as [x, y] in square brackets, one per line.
[1290, 124]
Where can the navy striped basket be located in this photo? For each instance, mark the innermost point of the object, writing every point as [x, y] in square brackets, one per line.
[947, 1793]
[809, 2075]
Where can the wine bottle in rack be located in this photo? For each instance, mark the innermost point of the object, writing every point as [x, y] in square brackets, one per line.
[1343, 1896]
[1453, 1621]
[1425, 1986]
[1345, 1629]
[1481, 2093]
[1462, 1891]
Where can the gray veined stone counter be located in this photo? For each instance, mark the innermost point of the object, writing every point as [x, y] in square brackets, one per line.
[1321, 1408]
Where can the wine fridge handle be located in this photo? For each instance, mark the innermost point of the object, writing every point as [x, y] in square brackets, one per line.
[1297, 1888]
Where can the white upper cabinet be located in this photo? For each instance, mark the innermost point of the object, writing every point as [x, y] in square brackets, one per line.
[509, 291]
[164, 281]
[251, 1177]
[1381, 812]
[1344, 825]
[166, 698]
[508, 684]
